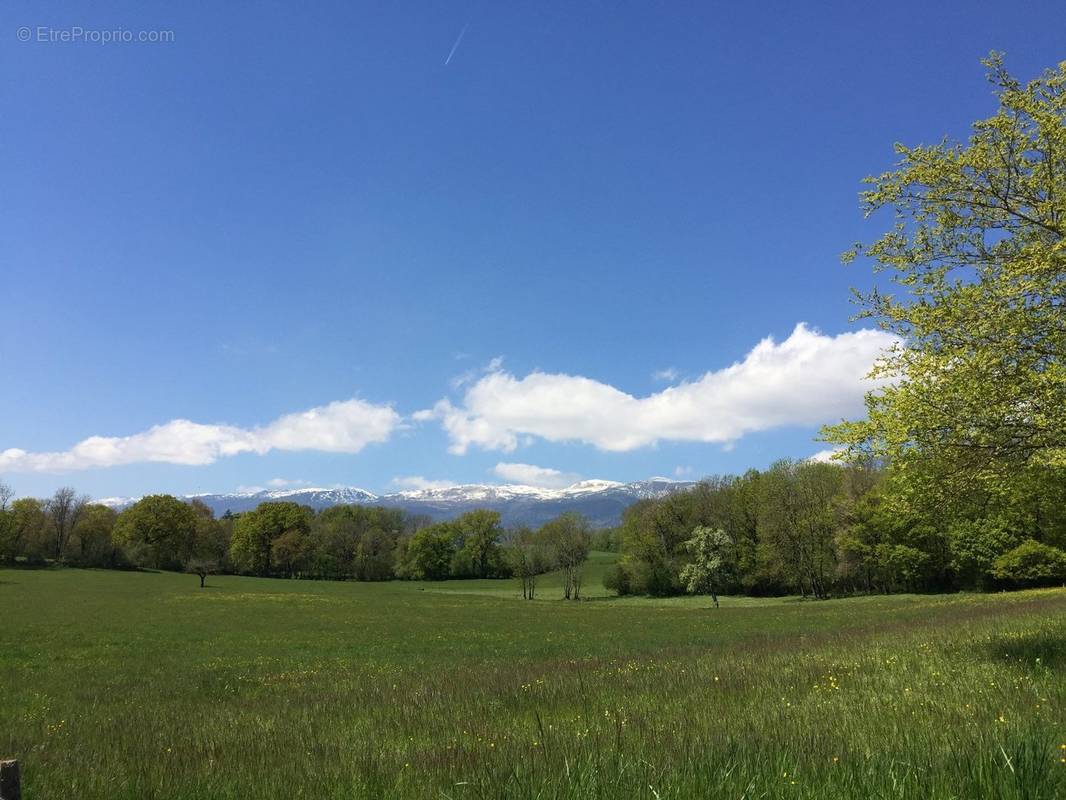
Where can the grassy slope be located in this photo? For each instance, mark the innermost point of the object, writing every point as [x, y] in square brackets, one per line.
[142, 685]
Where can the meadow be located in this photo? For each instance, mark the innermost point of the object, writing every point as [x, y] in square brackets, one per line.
[142, 685]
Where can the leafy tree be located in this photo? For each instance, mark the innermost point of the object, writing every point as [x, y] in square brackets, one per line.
[375, 554]
[900, 566]
[213, 537]
[741, 519]
[799, 520]
[201, 568]
[1031, 564]
[211, 544]
[652, 540]
[332, 545]
[158, 531]
[8, 544]
[64, 509]
[357, 541]
[618, 578]
[868, 524]
[255, 531]
[289, 552]
[29, 530]
[974, 398]
[528, 556]
[428, 554]
[975, 546]
[479, 555]
[710, 549]
[335, 533]
[881, 547]
[568, 537]
[607, 540]
[91, 540]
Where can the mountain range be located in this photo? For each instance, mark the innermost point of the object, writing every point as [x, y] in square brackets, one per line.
[602, 502]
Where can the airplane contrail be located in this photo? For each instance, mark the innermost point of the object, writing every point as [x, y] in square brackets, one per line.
[455, 46]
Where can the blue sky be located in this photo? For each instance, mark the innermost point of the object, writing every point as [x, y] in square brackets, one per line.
[561, 240]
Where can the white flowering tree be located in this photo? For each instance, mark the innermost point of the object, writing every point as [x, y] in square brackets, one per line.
[710, 548]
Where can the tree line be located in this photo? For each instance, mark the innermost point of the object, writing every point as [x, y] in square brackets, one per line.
[824, 529]
[799, 527]
[285, 539]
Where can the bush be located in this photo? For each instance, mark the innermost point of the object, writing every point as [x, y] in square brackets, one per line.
[618, 579]
[657, 579]
[1031, 564]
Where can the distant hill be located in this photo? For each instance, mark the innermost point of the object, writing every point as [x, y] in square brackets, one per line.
[601, 501]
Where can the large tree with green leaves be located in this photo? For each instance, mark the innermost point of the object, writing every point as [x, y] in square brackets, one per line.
[255, 533]
[800, 502]
[91, 543]
[29, 531]
[428, 554]
[480, 555]
[158, 531]
[974, 394]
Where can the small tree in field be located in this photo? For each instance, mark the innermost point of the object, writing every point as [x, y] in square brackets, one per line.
[528, 556]
[710, 548]
[202, 567]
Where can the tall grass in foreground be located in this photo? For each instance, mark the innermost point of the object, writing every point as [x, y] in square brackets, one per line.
[142, 686]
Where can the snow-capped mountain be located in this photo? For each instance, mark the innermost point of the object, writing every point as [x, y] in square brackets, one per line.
[601, 501]
[316, 498]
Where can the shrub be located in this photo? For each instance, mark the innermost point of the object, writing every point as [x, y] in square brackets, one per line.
[618, 579]
[1031, 564]
[657, 579]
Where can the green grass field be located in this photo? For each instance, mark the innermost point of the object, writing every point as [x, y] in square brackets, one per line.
[139, 685]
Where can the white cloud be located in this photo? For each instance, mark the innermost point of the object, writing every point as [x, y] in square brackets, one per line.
[417, 482]
[281, 483]
[469, 376]
[826, 456]
[668, 375]
[807, 379]
[530, 475]
[345, 426]
[682, 472]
